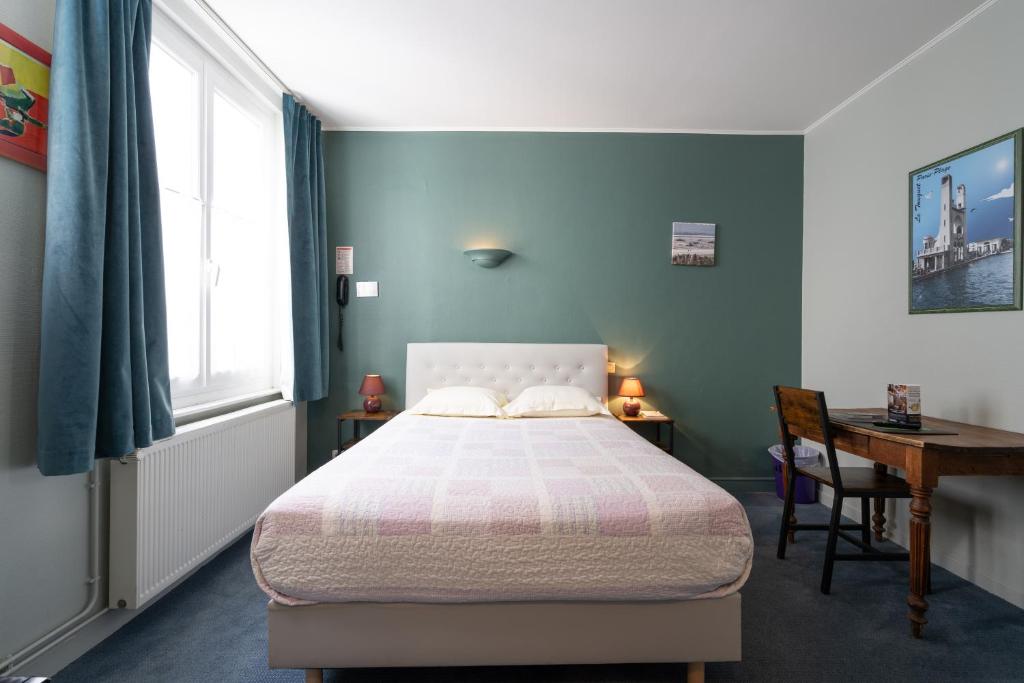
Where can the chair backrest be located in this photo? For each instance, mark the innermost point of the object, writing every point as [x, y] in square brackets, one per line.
[805, 411]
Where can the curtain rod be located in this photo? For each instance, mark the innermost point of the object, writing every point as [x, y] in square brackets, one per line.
[243, 46]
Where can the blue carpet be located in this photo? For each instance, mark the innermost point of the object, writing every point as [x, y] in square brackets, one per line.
[213, 628]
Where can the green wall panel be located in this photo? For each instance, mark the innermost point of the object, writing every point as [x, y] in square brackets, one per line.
[589, 218]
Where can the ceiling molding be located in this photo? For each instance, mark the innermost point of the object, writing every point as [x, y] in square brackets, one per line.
[907, 60]
[688, 131]
[214, 18]
[241, 44]
[506, 129]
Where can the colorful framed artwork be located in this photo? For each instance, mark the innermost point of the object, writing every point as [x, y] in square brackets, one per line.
[25, 94]
[693, 244]
[965, 230]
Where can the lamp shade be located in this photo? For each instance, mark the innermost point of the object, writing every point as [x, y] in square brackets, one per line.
[372, 386]
[487, 258]
[631, 387]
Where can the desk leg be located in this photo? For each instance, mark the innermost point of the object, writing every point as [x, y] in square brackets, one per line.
[920, 555]
[339, 436]
[878, 519]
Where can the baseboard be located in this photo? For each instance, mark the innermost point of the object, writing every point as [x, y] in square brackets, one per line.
[100, 627]
[896, 531]
[94, 632]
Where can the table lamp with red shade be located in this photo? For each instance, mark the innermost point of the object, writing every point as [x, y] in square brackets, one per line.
[631, 389]
[372, 387]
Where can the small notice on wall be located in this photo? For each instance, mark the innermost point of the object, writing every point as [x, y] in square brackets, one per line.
[343, 261]
[366, 289]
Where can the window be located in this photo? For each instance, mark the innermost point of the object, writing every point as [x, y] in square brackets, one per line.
[219, 151]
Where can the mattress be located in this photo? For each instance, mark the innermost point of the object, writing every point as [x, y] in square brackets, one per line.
[441, 509]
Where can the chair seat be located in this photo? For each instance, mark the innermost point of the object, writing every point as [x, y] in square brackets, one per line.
[858, 481]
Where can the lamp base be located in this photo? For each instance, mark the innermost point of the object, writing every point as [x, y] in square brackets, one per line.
[631, 408]
[371, 404]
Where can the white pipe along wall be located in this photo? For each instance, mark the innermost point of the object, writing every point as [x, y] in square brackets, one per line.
[92, 605]
[48, 575]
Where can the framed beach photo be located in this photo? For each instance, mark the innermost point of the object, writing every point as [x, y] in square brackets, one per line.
[693, 244]
[965, 230]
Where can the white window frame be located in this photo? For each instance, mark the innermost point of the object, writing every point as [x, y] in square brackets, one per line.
[214, 74]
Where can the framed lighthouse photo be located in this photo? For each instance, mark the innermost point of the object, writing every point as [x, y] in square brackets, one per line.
[965, 230]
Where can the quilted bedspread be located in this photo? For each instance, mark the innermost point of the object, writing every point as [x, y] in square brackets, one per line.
[441, 509]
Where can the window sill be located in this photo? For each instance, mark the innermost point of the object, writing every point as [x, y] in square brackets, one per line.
[205, 411]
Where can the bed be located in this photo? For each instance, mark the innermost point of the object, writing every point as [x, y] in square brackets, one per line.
[442, 541]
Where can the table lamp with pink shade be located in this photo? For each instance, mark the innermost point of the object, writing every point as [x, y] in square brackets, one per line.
[372, 387]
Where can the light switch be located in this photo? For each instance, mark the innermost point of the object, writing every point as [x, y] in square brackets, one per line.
[366, 289]
[611, 367]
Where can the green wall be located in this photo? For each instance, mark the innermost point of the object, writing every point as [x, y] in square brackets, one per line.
[589, 218]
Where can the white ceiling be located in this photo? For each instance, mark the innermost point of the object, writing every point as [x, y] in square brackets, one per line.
[721, 65]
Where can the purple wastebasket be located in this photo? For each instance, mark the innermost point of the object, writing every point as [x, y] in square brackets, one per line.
[806, 489]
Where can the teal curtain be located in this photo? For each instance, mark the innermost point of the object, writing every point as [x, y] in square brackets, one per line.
[103, 380]
[307, 237]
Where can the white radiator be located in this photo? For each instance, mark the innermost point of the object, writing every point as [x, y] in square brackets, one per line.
[182, 500]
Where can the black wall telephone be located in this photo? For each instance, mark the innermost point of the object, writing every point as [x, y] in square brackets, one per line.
[341, 296]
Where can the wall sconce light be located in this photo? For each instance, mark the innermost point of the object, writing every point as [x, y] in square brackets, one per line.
[487, 258]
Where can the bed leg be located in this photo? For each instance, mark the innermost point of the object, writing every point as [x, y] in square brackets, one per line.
[695, 672]
[317, 676]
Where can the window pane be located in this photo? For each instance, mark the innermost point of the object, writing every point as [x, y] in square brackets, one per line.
[183, 278]
[241, 274]
[238, 164]
[218, 161]
[175, 94]
[241, 299]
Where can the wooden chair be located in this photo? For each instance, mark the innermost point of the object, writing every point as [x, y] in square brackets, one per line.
[806, 410]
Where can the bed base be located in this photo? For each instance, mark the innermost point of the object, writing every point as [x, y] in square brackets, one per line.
[357, 635]
[694, 673]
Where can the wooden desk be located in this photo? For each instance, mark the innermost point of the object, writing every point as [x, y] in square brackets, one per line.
[924, 458]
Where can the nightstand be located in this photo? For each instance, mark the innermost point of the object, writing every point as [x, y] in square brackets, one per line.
[666, 446]
[358, 417]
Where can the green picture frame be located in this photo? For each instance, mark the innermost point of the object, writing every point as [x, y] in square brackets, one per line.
[964, 215]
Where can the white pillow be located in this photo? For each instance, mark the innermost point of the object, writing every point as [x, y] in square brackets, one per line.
[555, 401]
[461, 402]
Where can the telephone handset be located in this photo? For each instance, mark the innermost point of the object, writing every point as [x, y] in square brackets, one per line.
[341, 296]
[341, 291]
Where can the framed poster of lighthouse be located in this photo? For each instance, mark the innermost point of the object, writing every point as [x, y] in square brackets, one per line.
[965, 230]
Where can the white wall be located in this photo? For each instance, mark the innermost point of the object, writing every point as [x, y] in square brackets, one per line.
[857, 335]
[43, 521]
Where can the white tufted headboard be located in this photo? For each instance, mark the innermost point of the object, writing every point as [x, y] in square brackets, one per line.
[507, 367]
